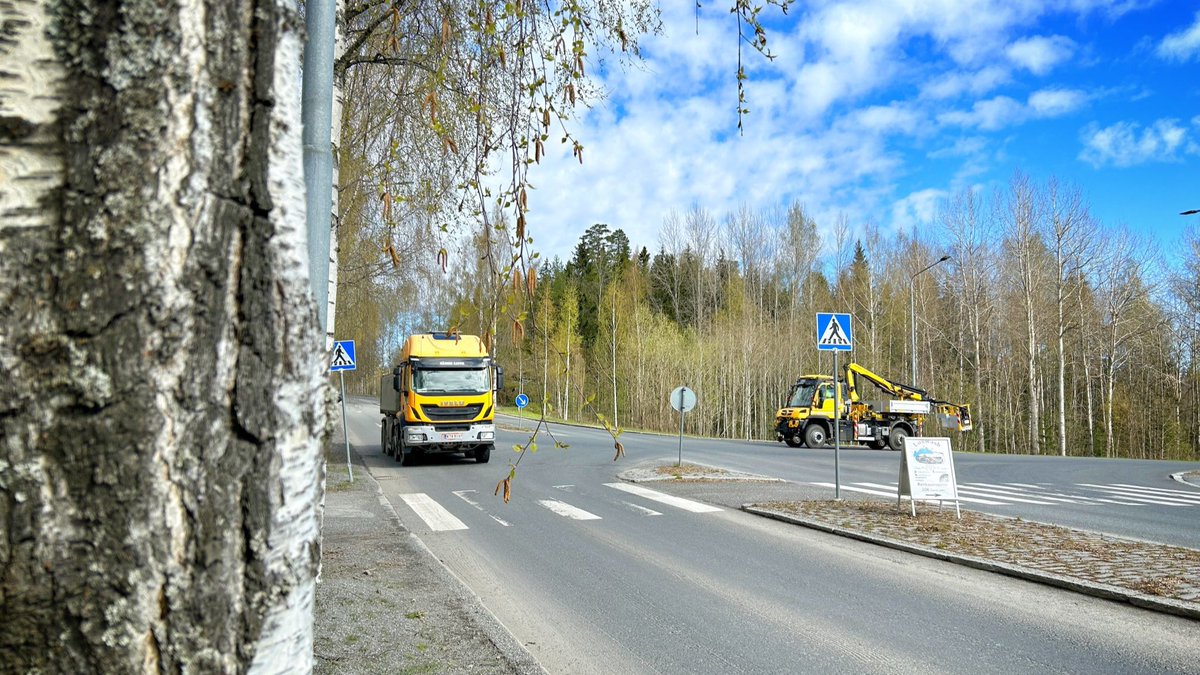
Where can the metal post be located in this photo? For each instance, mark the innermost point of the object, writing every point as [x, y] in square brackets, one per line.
[345, 431]
[912, 328]
[680, 462]
[837, 433]
[316, 114]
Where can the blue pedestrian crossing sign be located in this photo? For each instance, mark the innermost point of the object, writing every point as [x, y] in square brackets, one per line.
[343, 356]
[522, 400]
[834, 332]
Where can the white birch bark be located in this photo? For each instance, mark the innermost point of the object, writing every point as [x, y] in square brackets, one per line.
[160, 364]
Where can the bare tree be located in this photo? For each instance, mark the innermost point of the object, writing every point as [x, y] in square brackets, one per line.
[973, 279]
[1022, 218]
[1070, 232]
[1123, 285]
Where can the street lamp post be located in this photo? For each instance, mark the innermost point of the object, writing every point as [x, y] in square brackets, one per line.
[912, 311]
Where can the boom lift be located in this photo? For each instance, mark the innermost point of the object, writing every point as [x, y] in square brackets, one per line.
[809, 418]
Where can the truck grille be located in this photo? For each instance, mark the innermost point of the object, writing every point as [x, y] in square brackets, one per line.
[437, 414]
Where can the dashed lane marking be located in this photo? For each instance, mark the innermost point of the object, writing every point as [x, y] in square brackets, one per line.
[566, 510]
[462, 494]
[641, 509]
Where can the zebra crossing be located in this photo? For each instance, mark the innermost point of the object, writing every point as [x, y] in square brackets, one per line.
[440, 519]
[999, 494]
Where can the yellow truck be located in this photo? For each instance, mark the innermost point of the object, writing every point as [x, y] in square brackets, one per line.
[809, 417]
[441, 398]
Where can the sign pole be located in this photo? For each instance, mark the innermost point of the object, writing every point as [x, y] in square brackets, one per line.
[837, 432]
[345, 431]
[680, 461]
[835, 333]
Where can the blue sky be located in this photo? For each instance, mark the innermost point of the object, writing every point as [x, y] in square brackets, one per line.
[876, 110]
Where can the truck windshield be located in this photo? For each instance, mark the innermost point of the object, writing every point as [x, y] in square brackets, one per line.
[448, 381]
[802, 395]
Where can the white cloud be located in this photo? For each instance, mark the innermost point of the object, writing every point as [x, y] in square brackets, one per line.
[1182, 46]
[956, 83]
[1039, 54]
[917, 208]
[1056, 102]
[1127, 144]
[1002, 111]
[989, 115]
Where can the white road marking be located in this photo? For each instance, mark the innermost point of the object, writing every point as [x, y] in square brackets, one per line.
[565, 488]
[642, 509]
[1191, 494]
[566, 510]
[961, 498]
[669, 500]
[1008, 489]
[998, 493]
[1137, 496]
[462, 494]
[1135, 492]
[851, 488]
[434, 514]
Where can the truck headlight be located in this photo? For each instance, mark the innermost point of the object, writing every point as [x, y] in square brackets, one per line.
[487, 435]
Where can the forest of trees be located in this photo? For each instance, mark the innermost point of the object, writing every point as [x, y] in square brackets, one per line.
[1065, 336]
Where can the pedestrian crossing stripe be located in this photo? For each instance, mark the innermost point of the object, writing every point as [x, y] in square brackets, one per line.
[434, 514]
[663, 498]
[439, 519]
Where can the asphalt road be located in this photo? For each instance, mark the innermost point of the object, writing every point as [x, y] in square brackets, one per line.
[1129, 498]
[591, 578]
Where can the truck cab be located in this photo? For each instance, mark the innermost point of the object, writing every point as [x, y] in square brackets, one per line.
[808, 417]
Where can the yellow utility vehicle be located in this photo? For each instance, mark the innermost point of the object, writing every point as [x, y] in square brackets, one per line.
[809, 417]
[441, 398]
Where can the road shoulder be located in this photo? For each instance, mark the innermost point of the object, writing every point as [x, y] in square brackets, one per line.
[386, 604]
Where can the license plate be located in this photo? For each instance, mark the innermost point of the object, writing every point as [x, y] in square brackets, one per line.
[452, 436]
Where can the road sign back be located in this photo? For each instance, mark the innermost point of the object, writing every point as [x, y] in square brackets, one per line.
[834, 332]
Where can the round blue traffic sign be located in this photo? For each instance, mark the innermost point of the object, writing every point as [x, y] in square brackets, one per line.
[522, 400]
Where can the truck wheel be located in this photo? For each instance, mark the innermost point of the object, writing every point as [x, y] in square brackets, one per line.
[814, 436]
[896, 437]
[384, 446]
[397, 443]
[407, 456]
[483, 454]
[794, 441]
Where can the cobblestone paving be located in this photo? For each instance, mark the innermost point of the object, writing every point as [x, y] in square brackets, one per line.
[1158, 570]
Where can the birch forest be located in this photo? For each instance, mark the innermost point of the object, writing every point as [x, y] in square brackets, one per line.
[1066, 335]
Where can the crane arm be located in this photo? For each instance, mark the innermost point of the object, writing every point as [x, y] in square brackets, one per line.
[895, 389]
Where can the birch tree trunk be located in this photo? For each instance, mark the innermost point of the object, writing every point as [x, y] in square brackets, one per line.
[161, 388]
